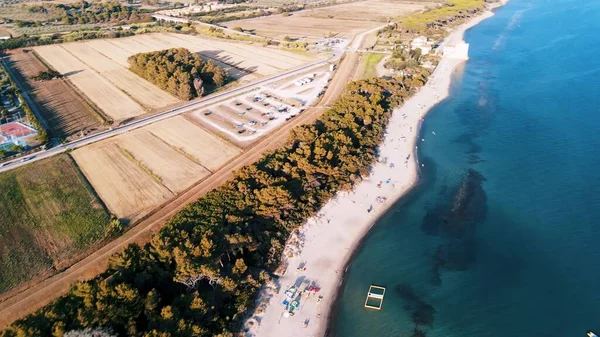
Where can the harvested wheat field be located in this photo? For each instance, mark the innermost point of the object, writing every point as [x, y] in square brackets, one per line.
[141, 91]
[370, 10]
[137, 171]
[174, 169]
[127, 188]
[49, 214]
[209, 150]
[344, 21]
[67, 113]
[98, 89]
[264, 61]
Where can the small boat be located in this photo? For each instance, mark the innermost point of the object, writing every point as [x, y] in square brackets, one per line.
[591, 334]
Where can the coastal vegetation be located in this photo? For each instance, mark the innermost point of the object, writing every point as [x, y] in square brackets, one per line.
[77, 13]
[49, 214]
[178, 71]
[202, 271]
[450, 12]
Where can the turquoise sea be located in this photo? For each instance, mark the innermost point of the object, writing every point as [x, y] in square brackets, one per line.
[501, 238]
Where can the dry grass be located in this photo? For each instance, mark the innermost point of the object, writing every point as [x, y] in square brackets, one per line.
[48, 214]
[264, 61]
[99, 68]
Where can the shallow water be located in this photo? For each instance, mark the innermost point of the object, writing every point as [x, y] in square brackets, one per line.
[500, 237]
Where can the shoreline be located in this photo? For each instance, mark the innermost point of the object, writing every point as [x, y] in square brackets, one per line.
[325, 245]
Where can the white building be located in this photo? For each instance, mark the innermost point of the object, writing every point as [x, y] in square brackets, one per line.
[422, 43]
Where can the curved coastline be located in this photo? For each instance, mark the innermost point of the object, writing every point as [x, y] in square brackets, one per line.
[327, 243]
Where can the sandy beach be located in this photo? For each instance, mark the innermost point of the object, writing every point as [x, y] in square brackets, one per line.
[317, 256]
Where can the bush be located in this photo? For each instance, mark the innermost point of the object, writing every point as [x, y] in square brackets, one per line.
[45, 75]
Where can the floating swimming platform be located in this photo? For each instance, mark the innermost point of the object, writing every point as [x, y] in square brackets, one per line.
[375, 297]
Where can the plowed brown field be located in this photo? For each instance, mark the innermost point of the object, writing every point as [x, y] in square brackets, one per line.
[66, 112]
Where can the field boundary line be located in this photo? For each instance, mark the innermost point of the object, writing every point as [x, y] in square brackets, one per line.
[180, 151]
[143, 166]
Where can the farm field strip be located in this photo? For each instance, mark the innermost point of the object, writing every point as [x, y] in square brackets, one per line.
[372, 10]
[177, 172]
[211, 151]
[261, 56]
[142, 91]
[130, 46]
[302, 27]
[233, 57]
[112, 51]
[289, 58]
[112, 101]
[125, 187]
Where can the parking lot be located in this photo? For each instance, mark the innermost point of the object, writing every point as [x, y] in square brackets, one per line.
[246, 118]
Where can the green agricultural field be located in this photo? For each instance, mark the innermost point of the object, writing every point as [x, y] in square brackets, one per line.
[48, 213]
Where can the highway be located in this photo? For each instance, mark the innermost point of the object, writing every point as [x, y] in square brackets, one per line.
[211, 99]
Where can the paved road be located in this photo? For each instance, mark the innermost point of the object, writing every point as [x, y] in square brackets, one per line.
[158, 117]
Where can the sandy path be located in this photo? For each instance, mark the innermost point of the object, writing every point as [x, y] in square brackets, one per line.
[328, 240]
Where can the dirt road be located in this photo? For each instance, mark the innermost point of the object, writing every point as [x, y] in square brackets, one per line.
[28, 300]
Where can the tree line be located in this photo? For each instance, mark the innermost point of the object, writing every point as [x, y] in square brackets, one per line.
[202, 271]
[86, 13]
[178, 71]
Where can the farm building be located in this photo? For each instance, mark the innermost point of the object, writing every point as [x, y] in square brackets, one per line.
[14, 133]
